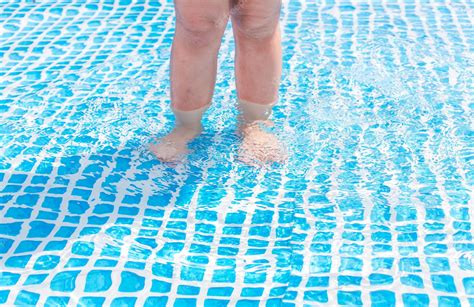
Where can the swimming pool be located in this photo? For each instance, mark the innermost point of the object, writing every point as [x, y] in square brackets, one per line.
[373, 207]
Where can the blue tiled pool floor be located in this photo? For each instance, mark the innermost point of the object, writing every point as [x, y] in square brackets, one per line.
[374, 206]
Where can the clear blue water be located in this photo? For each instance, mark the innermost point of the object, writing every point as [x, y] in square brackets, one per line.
[374, 207]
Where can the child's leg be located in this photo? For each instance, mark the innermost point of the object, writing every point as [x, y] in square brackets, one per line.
[258, 74]
[200, 25]
[258, 49]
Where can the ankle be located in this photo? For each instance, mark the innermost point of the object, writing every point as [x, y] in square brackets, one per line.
[251, 112]
[189, 130]
[189, 120]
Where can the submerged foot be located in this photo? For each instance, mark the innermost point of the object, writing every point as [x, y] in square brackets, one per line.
[173, 147]
[260, 146]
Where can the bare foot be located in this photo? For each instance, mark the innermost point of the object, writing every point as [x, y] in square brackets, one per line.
[260, 146]
[173, 147]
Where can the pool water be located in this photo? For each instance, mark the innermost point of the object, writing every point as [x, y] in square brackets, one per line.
[374, 207]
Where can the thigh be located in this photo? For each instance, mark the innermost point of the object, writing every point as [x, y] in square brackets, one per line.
[255, 16]
[202, 15]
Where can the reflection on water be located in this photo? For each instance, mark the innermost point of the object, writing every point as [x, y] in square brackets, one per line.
[373, 205]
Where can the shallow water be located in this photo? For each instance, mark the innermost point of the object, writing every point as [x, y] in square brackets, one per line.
[373, 207]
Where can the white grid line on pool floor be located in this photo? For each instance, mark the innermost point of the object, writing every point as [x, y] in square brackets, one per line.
[377, 19]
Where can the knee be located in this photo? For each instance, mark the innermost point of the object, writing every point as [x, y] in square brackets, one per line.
[201, 30]
[257, 29]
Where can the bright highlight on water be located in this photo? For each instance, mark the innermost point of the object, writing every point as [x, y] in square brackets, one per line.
[373, 207]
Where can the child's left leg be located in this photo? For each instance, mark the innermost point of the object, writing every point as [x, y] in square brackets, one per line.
[258, 66]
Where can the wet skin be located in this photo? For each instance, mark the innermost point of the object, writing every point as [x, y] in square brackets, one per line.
[200, 25]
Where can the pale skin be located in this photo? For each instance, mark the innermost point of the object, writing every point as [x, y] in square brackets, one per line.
[200, 25]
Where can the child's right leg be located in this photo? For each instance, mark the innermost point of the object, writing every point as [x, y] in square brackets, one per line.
[258, 69]
[200, 25]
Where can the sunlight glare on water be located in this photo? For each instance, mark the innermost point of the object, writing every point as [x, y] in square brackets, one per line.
[374, 205]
